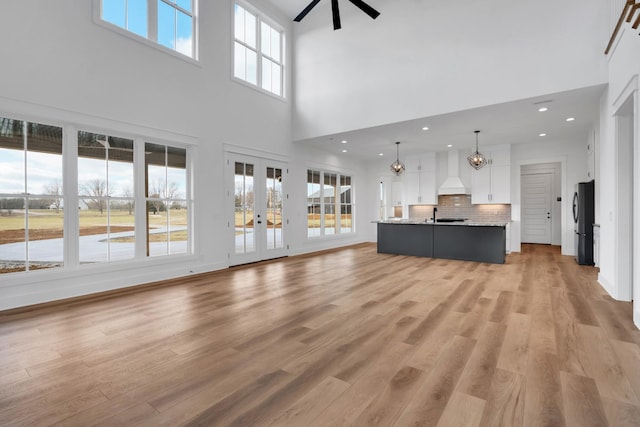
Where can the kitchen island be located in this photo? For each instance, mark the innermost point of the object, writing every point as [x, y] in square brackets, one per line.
[466, 241]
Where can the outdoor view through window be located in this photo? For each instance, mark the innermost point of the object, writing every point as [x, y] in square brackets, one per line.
[31, 199]
[105, 205]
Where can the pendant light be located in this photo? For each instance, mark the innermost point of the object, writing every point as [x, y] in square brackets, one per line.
[477, 160]
[397, 167]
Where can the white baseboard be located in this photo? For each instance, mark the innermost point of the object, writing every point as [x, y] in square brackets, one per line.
[606, 285]
[66, 286]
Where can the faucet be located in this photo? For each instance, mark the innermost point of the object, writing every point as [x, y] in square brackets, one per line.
[434, 213]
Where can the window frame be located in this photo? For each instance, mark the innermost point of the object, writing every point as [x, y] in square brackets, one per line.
[337, 203]
[27, 196]
[71, 194]
[260, 18]
[152, 29]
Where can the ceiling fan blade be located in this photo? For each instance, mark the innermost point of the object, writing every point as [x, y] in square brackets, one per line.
[336, 14]
[366, 8]
[306, 10]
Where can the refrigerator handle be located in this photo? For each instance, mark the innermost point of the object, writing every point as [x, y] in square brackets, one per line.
[575, 207]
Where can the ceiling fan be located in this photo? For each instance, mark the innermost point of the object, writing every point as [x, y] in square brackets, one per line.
[336, 11]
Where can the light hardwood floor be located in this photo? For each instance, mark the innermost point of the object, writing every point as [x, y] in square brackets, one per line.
[346, 337]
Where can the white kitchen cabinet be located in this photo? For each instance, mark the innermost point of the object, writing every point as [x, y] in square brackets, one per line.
[420, 181]
[397, 193]
[492, 183]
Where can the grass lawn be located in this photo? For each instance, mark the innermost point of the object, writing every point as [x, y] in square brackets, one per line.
[48, 224]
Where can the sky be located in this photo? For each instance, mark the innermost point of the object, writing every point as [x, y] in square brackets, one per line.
[46, 169]
[174, 26]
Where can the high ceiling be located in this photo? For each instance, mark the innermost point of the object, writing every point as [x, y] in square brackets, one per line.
[516, 122]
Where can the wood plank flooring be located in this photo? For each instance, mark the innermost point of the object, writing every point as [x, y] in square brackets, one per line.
[339, 338]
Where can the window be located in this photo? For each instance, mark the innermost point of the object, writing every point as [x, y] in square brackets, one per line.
[258, 51]
[106, 198]
[95, 221]
[166, 198]
[31, 199]
[170, 23]
[329, 205]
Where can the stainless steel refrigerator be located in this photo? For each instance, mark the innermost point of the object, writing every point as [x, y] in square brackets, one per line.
[584, 217]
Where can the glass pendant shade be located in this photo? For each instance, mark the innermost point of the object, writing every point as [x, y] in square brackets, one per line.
[397, 167]
[477, 160]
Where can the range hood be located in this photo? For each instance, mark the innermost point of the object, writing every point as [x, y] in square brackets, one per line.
[453, 184]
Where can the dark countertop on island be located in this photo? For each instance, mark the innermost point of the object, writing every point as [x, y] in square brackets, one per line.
[422, 222]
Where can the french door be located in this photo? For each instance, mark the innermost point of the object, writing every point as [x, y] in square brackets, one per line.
[256, 204]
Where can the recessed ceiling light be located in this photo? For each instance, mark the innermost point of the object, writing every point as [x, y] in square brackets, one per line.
[380, 154]
[425, 128]
[344, 141]
[543, 109]
[344, 151]
[449, 145]
[543, 134]
[570, 119]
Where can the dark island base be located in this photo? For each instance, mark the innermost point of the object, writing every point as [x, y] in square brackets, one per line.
[460, 242]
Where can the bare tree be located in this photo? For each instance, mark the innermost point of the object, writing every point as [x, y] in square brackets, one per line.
[54, 189]
[172, 190]
[156, 191]
[96, 190]
[129, 203]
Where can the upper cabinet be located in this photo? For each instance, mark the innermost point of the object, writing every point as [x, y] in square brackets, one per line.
[492, 183]
[420, 180]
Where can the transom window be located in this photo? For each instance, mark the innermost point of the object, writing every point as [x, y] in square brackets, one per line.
[170, 23]
[329, 203]
[258, 51]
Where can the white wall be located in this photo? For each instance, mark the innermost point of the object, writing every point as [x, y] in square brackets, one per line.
[572, 155]
[60, 66]
[421, 58]
[624, 69]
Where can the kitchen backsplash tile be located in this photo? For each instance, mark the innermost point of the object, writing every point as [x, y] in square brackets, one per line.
[459, 206]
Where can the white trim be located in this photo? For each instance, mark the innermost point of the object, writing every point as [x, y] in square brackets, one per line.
[625, 93]
[565, 192]
[152, 31]
[71, 196]
[47, 114]
[246, 151]
[604, 282]
[260, 17]
[72, 268]
[49, 285]
[338, 215]
[620, 292]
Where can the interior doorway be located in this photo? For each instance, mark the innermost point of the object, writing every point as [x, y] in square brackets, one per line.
[255, 202]
[626, 225]
[541, 203]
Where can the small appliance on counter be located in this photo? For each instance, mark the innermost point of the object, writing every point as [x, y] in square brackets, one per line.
[583, 218]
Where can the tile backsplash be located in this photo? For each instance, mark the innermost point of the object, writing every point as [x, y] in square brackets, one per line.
[459, 206]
